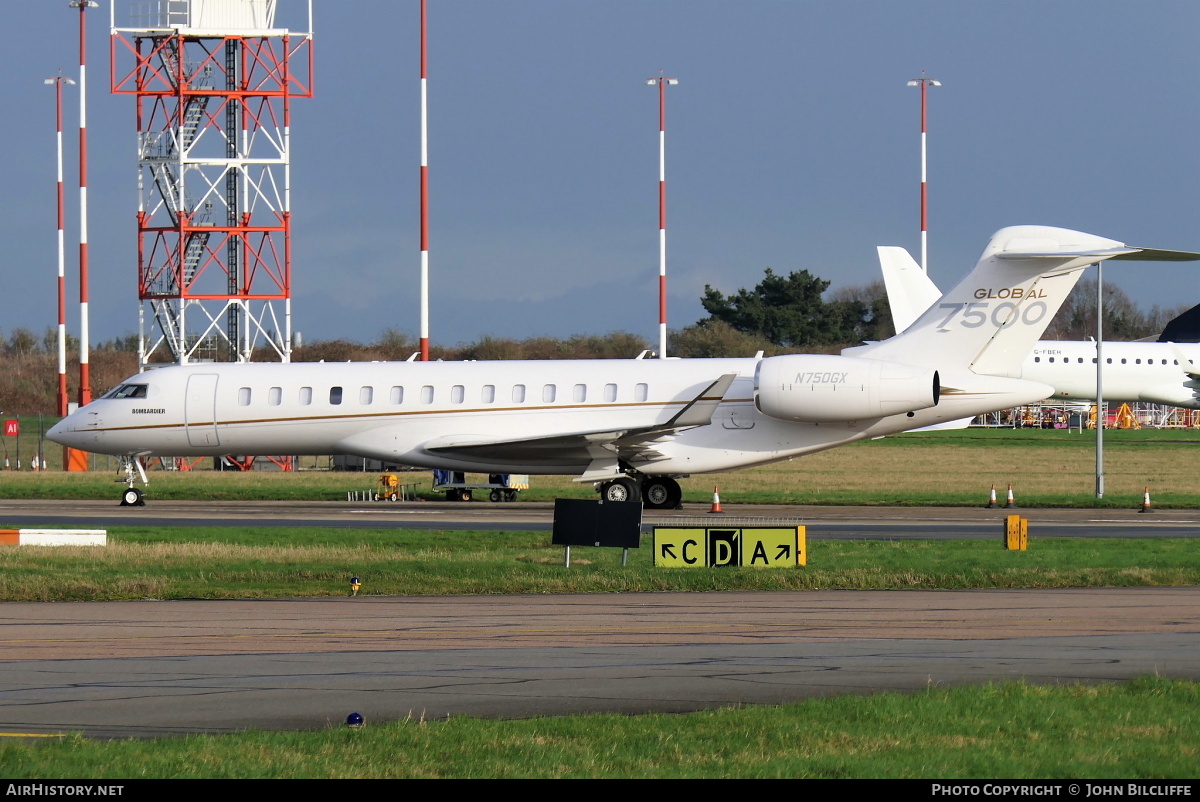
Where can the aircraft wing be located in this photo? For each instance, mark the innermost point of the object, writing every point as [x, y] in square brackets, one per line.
[601, 449]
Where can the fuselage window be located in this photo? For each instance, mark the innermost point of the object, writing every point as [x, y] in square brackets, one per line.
[1051, 359]
[1093, 360]
[457, 394]
[275, 396]
[1037, 359]
[1123, 361]
[243, 396]
[366, 395]
[335, 395]
[427, 394]
[488, 396]
[1081, 360]
[610, 392]
[1109, 360]
[548, 393]
[518, 394]
[1138, 361]
[579, 394]
[641, 392]
[397, 395]
[305, 395]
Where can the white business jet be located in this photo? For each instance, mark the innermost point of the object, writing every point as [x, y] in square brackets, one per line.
[1163, 372]
[631, 427]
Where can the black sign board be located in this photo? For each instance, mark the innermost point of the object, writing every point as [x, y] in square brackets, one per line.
[579, 522]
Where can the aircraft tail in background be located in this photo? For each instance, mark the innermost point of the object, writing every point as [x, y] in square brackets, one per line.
[992, 319]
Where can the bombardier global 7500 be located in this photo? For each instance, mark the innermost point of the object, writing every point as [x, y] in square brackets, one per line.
[631, 427]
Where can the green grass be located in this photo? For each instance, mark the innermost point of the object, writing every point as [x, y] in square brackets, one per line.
[1144, 729]
[270, 562]
[1047, 468]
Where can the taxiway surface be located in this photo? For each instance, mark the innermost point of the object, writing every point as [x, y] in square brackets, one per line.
[154, 668]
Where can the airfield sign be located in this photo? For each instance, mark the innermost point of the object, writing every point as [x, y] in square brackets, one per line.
[720, 546]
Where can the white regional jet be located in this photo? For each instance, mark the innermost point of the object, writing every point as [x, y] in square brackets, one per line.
[629, 426]
[1163, 372]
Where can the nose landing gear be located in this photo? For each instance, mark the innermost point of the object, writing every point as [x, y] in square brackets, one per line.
[132, 496]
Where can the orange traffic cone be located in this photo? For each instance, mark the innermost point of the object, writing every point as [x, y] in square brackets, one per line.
[1145, 501]
[1010, 504]
[991, 505]
[716, 505]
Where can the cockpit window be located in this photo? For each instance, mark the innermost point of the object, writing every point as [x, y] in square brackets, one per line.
[128, 391]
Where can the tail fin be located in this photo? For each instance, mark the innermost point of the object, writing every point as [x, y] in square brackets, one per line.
[1182, 329]
[992, 319]
[909, 289]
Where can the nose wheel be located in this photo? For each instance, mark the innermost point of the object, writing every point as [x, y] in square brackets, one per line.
[132, 496]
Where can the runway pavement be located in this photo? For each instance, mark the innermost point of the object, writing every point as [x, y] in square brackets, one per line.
[823, 522]
[153, 668]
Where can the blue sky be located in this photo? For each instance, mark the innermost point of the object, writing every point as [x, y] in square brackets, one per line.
[792, 143]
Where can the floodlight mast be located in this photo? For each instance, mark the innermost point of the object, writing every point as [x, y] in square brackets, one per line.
[85, 379]
[62, 398]
[924, 82]
[663, 82]
[424, 198]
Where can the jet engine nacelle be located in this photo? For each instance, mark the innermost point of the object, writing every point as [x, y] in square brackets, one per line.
[818, 388]
[1175, 394]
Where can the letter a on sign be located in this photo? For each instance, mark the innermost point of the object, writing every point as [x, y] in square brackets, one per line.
[12, 428]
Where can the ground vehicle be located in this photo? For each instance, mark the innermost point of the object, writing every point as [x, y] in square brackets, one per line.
[501, 486]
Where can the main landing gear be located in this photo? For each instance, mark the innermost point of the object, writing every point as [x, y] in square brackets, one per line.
[655, 492]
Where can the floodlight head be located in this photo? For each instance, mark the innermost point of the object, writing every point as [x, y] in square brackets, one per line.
[672, 81]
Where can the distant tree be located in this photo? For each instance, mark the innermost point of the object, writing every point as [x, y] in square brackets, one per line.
[22, 342]
[714, 339]
[1123, 320]
[792, 312]
[866, 310]
[488, 347]
[396, 345]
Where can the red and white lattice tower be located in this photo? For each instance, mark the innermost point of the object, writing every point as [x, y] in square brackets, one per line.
[214, 81]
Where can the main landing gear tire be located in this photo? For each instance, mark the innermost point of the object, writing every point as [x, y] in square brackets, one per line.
[661, 493]
[132, 497]
[620, 490]
[494, 496]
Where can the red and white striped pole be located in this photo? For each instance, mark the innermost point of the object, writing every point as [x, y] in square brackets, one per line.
[924, 81]
[85, 379]
[663, 82]
[58, 82]
[424, 200]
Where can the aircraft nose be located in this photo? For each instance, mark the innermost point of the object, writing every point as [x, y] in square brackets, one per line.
[70, 431]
